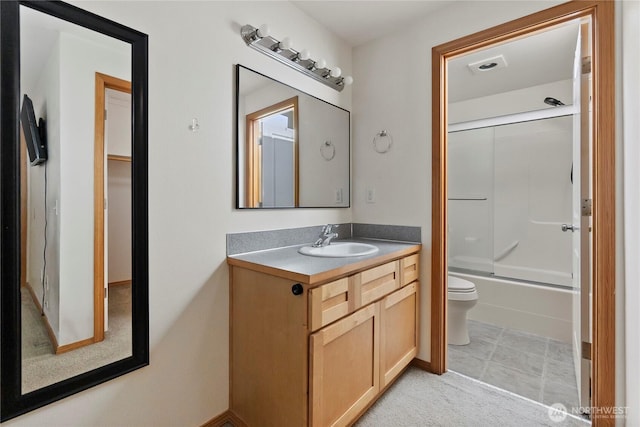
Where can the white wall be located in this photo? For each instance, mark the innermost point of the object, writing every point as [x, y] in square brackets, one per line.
[322, 179]
[193, 47]
[79, 61]
[46, 102]
[628, 131]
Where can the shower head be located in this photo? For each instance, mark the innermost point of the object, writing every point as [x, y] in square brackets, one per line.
[553, 102]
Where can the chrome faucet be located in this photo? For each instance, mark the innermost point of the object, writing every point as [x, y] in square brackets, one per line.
[326, 235]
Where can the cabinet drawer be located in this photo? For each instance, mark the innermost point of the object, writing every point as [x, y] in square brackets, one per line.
[375, 283]
[329, 303]
[409, 269]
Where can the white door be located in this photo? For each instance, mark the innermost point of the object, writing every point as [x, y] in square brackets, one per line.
[581, 219]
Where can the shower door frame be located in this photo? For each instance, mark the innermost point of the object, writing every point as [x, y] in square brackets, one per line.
[603, 176]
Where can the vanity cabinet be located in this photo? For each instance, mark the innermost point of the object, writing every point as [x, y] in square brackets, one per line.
[319, 352]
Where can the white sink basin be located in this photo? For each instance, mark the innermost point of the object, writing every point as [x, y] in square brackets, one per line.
[340, 250]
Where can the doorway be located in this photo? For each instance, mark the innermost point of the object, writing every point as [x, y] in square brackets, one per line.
[602, 350]
[112, 193]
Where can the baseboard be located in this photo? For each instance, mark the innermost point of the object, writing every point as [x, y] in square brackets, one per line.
[52, 335]
[226, 417]
[74, 345]
[57, 349]
[422, 364]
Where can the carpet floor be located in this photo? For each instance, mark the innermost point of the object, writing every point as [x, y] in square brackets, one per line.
[42, 367]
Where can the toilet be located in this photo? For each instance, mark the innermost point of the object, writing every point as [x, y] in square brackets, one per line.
[462, 296]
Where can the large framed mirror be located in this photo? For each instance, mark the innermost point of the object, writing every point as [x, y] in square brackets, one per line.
[74, 206]
[293, 149]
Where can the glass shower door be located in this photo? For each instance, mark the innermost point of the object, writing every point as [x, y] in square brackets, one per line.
[470, 207]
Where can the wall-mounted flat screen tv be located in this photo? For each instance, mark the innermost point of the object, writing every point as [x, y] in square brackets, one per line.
[35, 133]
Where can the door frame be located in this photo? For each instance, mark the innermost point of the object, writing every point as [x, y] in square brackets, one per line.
[603, 175]
[103, 82]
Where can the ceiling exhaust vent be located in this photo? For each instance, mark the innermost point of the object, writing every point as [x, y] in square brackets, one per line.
[488, 64]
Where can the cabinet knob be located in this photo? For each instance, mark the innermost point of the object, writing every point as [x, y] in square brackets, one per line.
[297, 289]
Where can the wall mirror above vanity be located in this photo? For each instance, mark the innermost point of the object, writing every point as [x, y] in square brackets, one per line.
[293, 149]
[74, 264]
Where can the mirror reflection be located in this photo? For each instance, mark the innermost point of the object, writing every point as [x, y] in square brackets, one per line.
[75, 199]
[293, 149]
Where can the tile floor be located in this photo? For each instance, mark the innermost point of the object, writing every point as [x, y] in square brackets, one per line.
[532, 366]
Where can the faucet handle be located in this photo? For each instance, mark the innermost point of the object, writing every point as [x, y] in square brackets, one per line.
[329, 227]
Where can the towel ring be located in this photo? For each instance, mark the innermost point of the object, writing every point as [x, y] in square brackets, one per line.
[382, 142]
[327, 150]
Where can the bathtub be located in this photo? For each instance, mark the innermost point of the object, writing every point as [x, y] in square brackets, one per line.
[539, 309]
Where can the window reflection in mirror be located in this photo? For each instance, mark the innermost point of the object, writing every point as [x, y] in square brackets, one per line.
[76, 205]
[272, 162]
[293, 149]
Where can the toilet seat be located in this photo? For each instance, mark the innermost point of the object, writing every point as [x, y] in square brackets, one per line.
[457, 284]
[461, 289]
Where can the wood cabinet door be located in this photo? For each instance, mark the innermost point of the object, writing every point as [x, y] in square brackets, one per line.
[398, 331]
[344, 368]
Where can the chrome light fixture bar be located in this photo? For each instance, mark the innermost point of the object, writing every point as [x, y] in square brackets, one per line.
[260, 40]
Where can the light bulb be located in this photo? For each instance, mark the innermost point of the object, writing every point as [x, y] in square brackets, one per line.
[336, 72]
[321, 63]
[348, 80]
[304, 54]
[286, 43]
[263, 31]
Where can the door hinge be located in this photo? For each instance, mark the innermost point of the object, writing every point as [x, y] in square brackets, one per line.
[105, 114]
[586, 350]
[585, 207]
[586, 65]
[105, 203]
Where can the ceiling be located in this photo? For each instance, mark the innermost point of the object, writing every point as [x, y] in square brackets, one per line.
[538, 59]
[543, 58]
[360, 21]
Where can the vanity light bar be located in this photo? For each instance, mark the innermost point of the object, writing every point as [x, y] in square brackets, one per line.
[260, 40]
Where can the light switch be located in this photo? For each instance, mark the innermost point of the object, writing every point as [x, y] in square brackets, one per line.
[371, 195]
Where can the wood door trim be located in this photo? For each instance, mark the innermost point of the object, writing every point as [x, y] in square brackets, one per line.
[103, 82]
[603, 268]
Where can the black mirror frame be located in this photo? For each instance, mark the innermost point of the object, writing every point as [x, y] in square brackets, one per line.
[12, 402]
